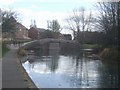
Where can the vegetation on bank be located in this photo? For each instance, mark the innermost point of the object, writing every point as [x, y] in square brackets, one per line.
[0, 51]
[21, 52]
[4, 50]
[110, 54]
[91, 46]
[109, 24]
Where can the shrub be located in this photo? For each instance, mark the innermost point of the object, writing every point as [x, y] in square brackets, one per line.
[110, 54]
[21, 52]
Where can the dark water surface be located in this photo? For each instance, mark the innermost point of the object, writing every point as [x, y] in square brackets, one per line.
[70, 71]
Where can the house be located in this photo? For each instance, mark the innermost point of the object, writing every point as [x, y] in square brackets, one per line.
[35, 33]
[22, 31]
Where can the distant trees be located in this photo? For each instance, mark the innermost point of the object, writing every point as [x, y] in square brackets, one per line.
[109, 22]
[79, 22]
[54, 26]
[93, 37]
[47, 34]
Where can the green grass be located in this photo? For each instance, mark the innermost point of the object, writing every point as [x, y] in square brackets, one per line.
[91, 46]
[0, 51]
[3, 51]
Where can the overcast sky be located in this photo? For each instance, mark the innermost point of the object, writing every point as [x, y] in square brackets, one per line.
[43, 10]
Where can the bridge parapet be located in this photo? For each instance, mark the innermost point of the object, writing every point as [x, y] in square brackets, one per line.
[49, 43]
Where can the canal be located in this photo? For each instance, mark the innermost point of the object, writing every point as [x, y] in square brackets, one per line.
[70, 70]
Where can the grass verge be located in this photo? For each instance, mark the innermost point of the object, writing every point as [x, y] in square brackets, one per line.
[91, 46]
[4, 50]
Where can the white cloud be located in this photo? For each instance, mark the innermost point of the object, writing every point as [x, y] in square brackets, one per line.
[34, 6]
[64, 1]
[41, 17]
[7, 2]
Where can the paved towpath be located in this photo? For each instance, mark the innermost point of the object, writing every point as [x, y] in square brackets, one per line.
[11, 74]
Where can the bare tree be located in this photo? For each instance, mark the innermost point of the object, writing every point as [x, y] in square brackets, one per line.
[79, 22]
[108, 21]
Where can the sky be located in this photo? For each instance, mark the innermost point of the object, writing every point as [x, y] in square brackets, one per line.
[43, 10]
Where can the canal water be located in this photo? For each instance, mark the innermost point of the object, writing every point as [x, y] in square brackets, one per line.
[65, 70]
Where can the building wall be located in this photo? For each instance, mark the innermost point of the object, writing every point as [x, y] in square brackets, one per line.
[22, 32]
[33, 33]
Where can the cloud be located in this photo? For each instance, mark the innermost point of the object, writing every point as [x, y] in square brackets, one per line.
[41, 17]
[33, 6]
[64, 1]
[7, 2]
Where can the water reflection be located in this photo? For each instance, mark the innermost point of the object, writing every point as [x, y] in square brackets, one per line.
[54, 70]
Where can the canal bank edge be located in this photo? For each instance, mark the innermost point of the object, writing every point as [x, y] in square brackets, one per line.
[26, 77]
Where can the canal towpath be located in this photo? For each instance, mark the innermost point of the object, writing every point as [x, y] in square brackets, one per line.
[12, 74]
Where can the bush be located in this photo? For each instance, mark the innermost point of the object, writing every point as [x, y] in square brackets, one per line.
[110, 54]
[21, 52]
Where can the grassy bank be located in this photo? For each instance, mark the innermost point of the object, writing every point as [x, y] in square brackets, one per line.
[4, 50]
[0, 51]
[110, 54]
[91, 46]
